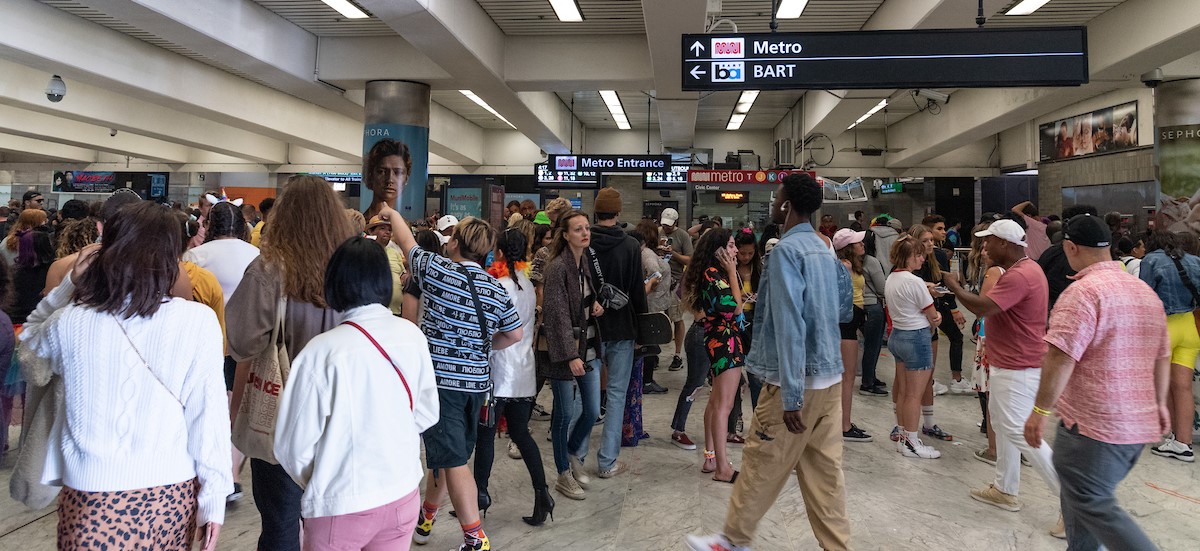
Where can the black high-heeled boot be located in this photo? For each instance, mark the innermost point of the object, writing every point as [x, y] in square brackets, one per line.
[485, 501]
[543, 505]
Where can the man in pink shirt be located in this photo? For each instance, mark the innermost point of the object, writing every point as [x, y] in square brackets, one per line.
[1107, 373]
[1035, 230]
[1015, 310]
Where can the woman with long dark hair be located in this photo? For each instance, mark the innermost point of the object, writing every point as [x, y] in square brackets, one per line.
[569, 324]
[307, 226]
[144, 418]
[1164, 268]
[711, 286]
[750, 268]
[851, 251]
[514, 377]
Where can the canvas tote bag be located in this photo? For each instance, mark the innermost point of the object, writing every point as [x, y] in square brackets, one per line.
[254, 427]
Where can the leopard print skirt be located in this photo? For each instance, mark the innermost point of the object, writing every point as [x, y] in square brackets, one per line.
[159, 518]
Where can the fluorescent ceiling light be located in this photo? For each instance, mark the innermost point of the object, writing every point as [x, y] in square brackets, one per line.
[479, 101]
[348, 10]
[735, 121]
[566, 10]
[1027, 7]
[791, 9]
[878, 107]
[745, 101]
[614, 107]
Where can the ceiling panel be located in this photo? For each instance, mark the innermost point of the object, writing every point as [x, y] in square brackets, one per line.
[318, 18]
[536, 17]
[457, 102]
[1055, 13]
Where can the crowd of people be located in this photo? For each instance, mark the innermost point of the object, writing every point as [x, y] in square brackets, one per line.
[348, 340]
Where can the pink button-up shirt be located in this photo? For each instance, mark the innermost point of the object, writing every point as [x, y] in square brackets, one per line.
[1114, 327]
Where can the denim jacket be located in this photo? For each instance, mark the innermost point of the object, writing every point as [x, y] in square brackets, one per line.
[1160, 272]
[796, 316]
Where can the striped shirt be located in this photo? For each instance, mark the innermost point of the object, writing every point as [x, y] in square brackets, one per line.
[459, 352]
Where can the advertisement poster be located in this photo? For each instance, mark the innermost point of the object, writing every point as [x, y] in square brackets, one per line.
[464, 202]
[1179, 176]
[150, 185]
[395, 169]
[496, 207]
[1101, 131]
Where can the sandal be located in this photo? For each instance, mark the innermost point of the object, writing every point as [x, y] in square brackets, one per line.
[734, 438]
[731, 480]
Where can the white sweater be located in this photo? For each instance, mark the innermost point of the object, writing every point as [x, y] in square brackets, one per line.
[123, 429]
[345, 432]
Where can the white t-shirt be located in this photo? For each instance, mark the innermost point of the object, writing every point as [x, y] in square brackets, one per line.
[513, 371]
[907, 298]
[225, 258]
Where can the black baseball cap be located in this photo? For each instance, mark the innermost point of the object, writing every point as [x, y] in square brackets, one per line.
[1086, 230]
[31, 194]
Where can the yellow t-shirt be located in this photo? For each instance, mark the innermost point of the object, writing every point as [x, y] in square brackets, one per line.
[256, 233]
[207, 291]
[859, 281]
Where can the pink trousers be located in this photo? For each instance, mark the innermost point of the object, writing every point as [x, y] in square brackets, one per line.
[384, 528]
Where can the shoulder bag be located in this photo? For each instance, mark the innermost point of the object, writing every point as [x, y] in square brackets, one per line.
[487, 412]
[610, 296]
[1191, 287]
[254, 425]
[386, 357]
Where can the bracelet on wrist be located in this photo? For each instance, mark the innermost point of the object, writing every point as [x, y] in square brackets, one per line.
[1042, 412]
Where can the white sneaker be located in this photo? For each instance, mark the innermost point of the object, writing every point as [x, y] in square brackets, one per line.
[513, 451]
[915, 448]
[714, 542]
[580, 474]
[939, 388]
[1174, 449]
[961, 386]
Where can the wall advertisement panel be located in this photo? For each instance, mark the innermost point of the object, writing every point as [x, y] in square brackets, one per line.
[1101, 131]
[401, 151]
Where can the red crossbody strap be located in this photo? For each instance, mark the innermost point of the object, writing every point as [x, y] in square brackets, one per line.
[385, 356]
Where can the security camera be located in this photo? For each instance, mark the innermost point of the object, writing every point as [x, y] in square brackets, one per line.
[112, 131]
[1153, 78]
[56, 90]
[932, 95]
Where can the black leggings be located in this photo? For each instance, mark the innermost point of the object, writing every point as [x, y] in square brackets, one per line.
[956, 338]
[516, 411]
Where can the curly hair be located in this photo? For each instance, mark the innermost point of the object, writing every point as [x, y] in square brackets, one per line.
[704, 257]
[307, 225]
[803, 192]
[74, 235]
[381, 149]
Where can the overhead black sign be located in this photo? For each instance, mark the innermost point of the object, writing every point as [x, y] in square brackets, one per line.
[610, 163]
[956, 58]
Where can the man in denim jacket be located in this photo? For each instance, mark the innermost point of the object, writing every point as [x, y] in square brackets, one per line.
[796, 351]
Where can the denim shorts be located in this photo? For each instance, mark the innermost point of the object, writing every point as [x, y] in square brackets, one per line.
[912, 347]
[449, 443]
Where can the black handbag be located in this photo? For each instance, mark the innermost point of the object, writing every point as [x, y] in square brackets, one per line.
[608, 295]
[654, 328]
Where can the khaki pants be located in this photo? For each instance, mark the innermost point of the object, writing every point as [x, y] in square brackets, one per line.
[815, 456]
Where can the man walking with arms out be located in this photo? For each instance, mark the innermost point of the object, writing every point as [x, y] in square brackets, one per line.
[1106, 373]
[797, 424]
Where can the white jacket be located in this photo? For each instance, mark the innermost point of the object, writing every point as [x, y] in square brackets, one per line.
[345, 432]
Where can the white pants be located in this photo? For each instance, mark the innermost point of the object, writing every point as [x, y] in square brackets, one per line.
[1011, 402]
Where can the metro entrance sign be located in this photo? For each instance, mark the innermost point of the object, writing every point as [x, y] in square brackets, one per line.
[610, 163]
[954, 58]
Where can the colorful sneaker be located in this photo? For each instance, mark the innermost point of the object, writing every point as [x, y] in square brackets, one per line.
[579, 473]
[992, 496]
[856, 434]
[478, 545]
[676, 363]
[715, 542]
[1174, 449]
[962, 386]
[682, 441]
[939, 388]
[936, 432]
[424, 529]
[568, 487]
[910, 448]
[983, 455]
[895, 436]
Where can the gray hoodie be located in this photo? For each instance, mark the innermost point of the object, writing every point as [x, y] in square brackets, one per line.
[885, 236]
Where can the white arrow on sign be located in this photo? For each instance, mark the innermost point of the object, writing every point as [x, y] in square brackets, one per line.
[696, 72]
[697, 47]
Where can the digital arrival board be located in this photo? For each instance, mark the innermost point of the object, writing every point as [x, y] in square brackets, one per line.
[954, 58]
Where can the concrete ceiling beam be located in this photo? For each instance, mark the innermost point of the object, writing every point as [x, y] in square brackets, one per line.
[42, 148]
[89, 136]
[666, 21]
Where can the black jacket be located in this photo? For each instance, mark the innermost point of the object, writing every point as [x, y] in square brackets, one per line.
[620, 260]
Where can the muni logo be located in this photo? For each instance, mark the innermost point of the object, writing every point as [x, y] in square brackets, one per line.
[566, 162]
[728, 47]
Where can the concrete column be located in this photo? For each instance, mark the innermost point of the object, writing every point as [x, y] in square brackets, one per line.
[397, 132]
[1177, 153]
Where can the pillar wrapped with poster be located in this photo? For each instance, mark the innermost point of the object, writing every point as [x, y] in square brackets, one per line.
[395, 148]
[1177, 136]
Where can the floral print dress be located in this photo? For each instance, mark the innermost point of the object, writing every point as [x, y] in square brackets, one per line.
[722, 327]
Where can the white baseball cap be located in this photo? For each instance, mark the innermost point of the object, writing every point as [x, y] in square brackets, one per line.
[1007, 230]
[669, 217]
[447, 221]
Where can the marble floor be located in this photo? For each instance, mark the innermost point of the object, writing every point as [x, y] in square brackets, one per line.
[894, 503]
